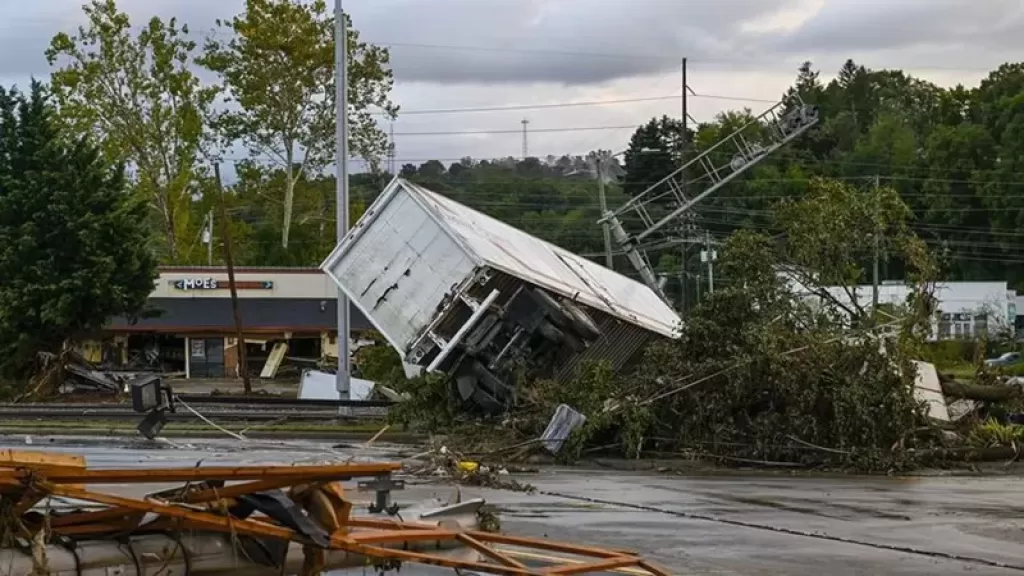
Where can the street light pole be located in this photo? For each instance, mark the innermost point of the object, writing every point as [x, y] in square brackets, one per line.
[341, 213]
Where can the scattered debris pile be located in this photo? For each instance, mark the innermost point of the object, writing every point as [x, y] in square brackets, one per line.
[84, 377]
[280, 519]
[985, 414]
[69, 373]
[761, 375]
[441, 462]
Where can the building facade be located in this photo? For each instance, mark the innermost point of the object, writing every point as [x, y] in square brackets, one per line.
[965, 310]
[189, 326]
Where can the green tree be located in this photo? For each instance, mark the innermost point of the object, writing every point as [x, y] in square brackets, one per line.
[834, 233]
[278, 69]
[74, 238]
[313, 236]
[889, 147]
[653, 154]
[137, 94]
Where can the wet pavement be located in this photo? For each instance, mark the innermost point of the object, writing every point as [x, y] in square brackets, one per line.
[708, 525]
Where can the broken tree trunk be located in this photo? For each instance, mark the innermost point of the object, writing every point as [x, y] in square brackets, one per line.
[955, 389]
[970, 454]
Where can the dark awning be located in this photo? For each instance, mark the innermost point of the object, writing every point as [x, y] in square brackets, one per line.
[181, 315]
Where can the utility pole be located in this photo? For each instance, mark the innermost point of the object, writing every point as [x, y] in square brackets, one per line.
[526, 146]
[341, 211]
[608, 261]
[682, 186]
[243, 363]
[685, 114]
[709, 255]
[391, 149]
[209, 240]
[874, 272]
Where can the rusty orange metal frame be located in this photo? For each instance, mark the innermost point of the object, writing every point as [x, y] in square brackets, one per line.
[201, 507]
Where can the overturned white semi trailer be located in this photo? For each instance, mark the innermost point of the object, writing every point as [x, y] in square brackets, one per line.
[458, 292]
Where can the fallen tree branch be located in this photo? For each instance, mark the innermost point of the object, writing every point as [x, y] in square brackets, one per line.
[985, 393]
[970, 454]
[816, 447]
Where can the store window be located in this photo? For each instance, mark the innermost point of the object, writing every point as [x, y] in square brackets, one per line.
[206, 357]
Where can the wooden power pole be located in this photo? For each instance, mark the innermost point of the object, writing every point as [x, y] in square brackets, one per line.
[243, 364]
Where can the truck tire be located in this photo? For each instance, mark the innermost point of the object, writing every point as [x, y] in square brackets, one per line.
[568, 316]
[480, 389]
[563, 337]
[582, 324]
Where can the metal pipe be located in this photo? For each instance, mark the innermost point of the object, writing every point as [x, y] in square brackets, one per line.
[463, 330]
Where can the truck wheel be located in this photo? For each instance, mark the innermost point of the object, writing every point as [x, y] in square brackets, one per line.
[582, 324]
[480, 388]
[553, 333]
[556, 312]
[468, 390]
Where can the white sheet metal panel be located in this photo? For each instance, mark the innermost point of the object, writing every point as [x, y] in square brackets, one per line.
[517, 253]
[396, 265]
[928, 389]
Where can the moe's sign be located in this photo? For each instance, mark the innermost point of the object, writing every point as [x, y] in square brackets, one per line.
[214, 284]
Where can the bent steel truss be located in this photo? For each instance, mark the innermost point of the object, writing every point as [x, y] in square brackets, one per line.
[304, 505]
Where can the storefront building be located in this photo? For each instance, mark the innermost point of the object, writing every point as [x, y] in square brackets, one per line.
[288, 315]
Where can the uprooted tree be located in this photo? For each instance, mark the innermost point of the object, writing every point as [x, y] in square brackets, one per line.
[787, 362]
[74, 239]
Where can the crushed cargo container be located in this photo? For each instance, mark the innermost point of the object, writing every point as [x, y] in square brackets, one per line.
[459, 292]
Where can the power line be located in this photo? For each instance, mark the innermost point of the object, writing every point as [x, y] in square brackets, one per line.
[635, 56]
[571, 104]
[519, 131]
[516, 107]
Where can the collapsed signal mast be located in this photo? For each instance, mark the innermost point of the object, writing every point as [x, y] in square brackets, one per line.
[775, 127]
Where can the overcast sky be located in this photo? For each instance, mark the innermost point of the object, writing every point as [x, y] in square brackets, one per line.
[501, 53]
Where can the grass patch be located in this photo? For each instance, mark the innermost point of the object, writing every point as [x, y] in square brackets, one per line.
[960, 371]
[967, 370]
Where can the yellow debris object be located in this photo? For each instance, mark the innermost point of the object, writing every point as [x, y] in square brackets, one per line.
[467, 466]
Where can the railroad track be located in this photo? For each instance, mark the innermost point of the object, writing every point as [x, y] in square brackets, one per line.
[253, 412]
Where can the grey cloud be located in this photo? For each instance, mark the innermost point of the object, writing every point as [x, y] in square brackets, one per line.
[24, 36]
[590, 42]
[876, 25]
[27, 27]
[560, 41]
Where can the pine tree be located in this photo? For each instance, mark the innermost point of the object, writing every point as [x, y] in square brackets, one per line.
[74, 246]
[808, 85]
[653, 154]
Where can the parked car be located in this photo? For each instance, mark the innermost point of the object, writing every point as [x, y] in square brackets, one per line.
[1007, 359]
